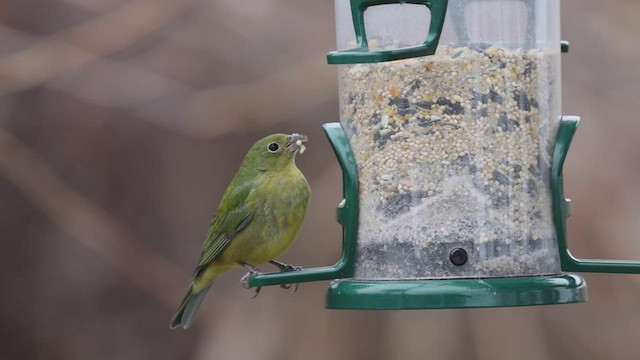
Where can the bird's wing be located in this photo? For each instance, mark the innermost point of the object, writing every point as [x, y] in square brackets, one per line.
[232, 217]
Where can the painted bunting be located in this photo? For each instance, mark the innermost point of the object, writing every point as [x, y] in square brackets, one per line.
[258, 218]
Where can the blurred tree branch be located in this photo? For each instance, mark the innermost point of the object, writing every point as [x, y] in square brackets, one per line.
[87, 223]
[84, 43]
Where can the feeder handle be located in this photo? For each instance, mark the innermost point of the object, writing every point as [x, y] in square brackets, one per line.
[362, 54]
[561, 211]
[460, 27]
[347, 214]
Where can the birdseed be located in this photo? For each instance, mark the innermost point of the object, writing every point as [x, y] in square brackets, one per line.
[453, 151]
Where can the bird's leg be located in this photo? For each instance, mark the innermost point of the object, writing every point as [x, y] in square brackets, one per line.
[244, 280]
[286, 268]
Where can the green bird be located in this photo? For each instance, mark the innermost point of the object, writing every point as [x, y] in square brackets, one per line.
[258, 218]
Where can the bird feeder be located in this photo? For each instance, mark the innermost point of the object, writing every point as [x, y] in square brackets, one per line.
[452, 141]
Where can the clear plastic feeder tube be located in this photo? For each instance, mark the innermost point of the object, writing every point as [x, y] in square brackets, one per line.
[453, 150]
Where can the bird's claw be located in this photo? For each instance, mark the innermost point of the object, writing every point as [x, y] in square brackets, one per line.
[244, 280]
[288, 286]
[287, 268]
[257, 292]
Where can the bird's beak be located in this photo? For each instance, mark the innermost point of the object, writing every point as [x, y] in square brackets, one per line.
[295, 143]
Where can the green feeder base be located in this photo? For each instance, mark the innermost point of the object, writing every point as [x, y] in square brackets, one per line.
[454, 294]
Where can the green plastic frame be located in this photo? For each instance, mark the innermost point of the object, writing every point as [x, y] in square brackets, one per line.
[362, 54]
[561, 211]
[347, 216]
[456, 293]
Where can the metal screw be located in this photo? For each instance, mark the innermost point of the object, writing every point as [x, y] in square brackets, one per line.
[458, 256]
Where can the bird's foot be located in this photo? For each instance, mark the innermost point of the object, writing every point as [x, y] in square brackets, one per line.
[257, 292]
[286, 268]
[244, 280]
[289, 286]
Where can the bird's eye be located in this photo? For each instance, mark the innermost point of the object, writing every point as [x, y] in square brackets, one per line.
[273, 147]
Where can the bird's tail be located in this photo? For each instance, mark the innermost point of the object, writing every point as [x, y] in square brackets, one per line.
[188, 307]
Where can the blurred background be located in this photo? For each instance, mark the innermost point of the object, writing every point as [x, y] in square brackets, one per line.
[122, 122]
